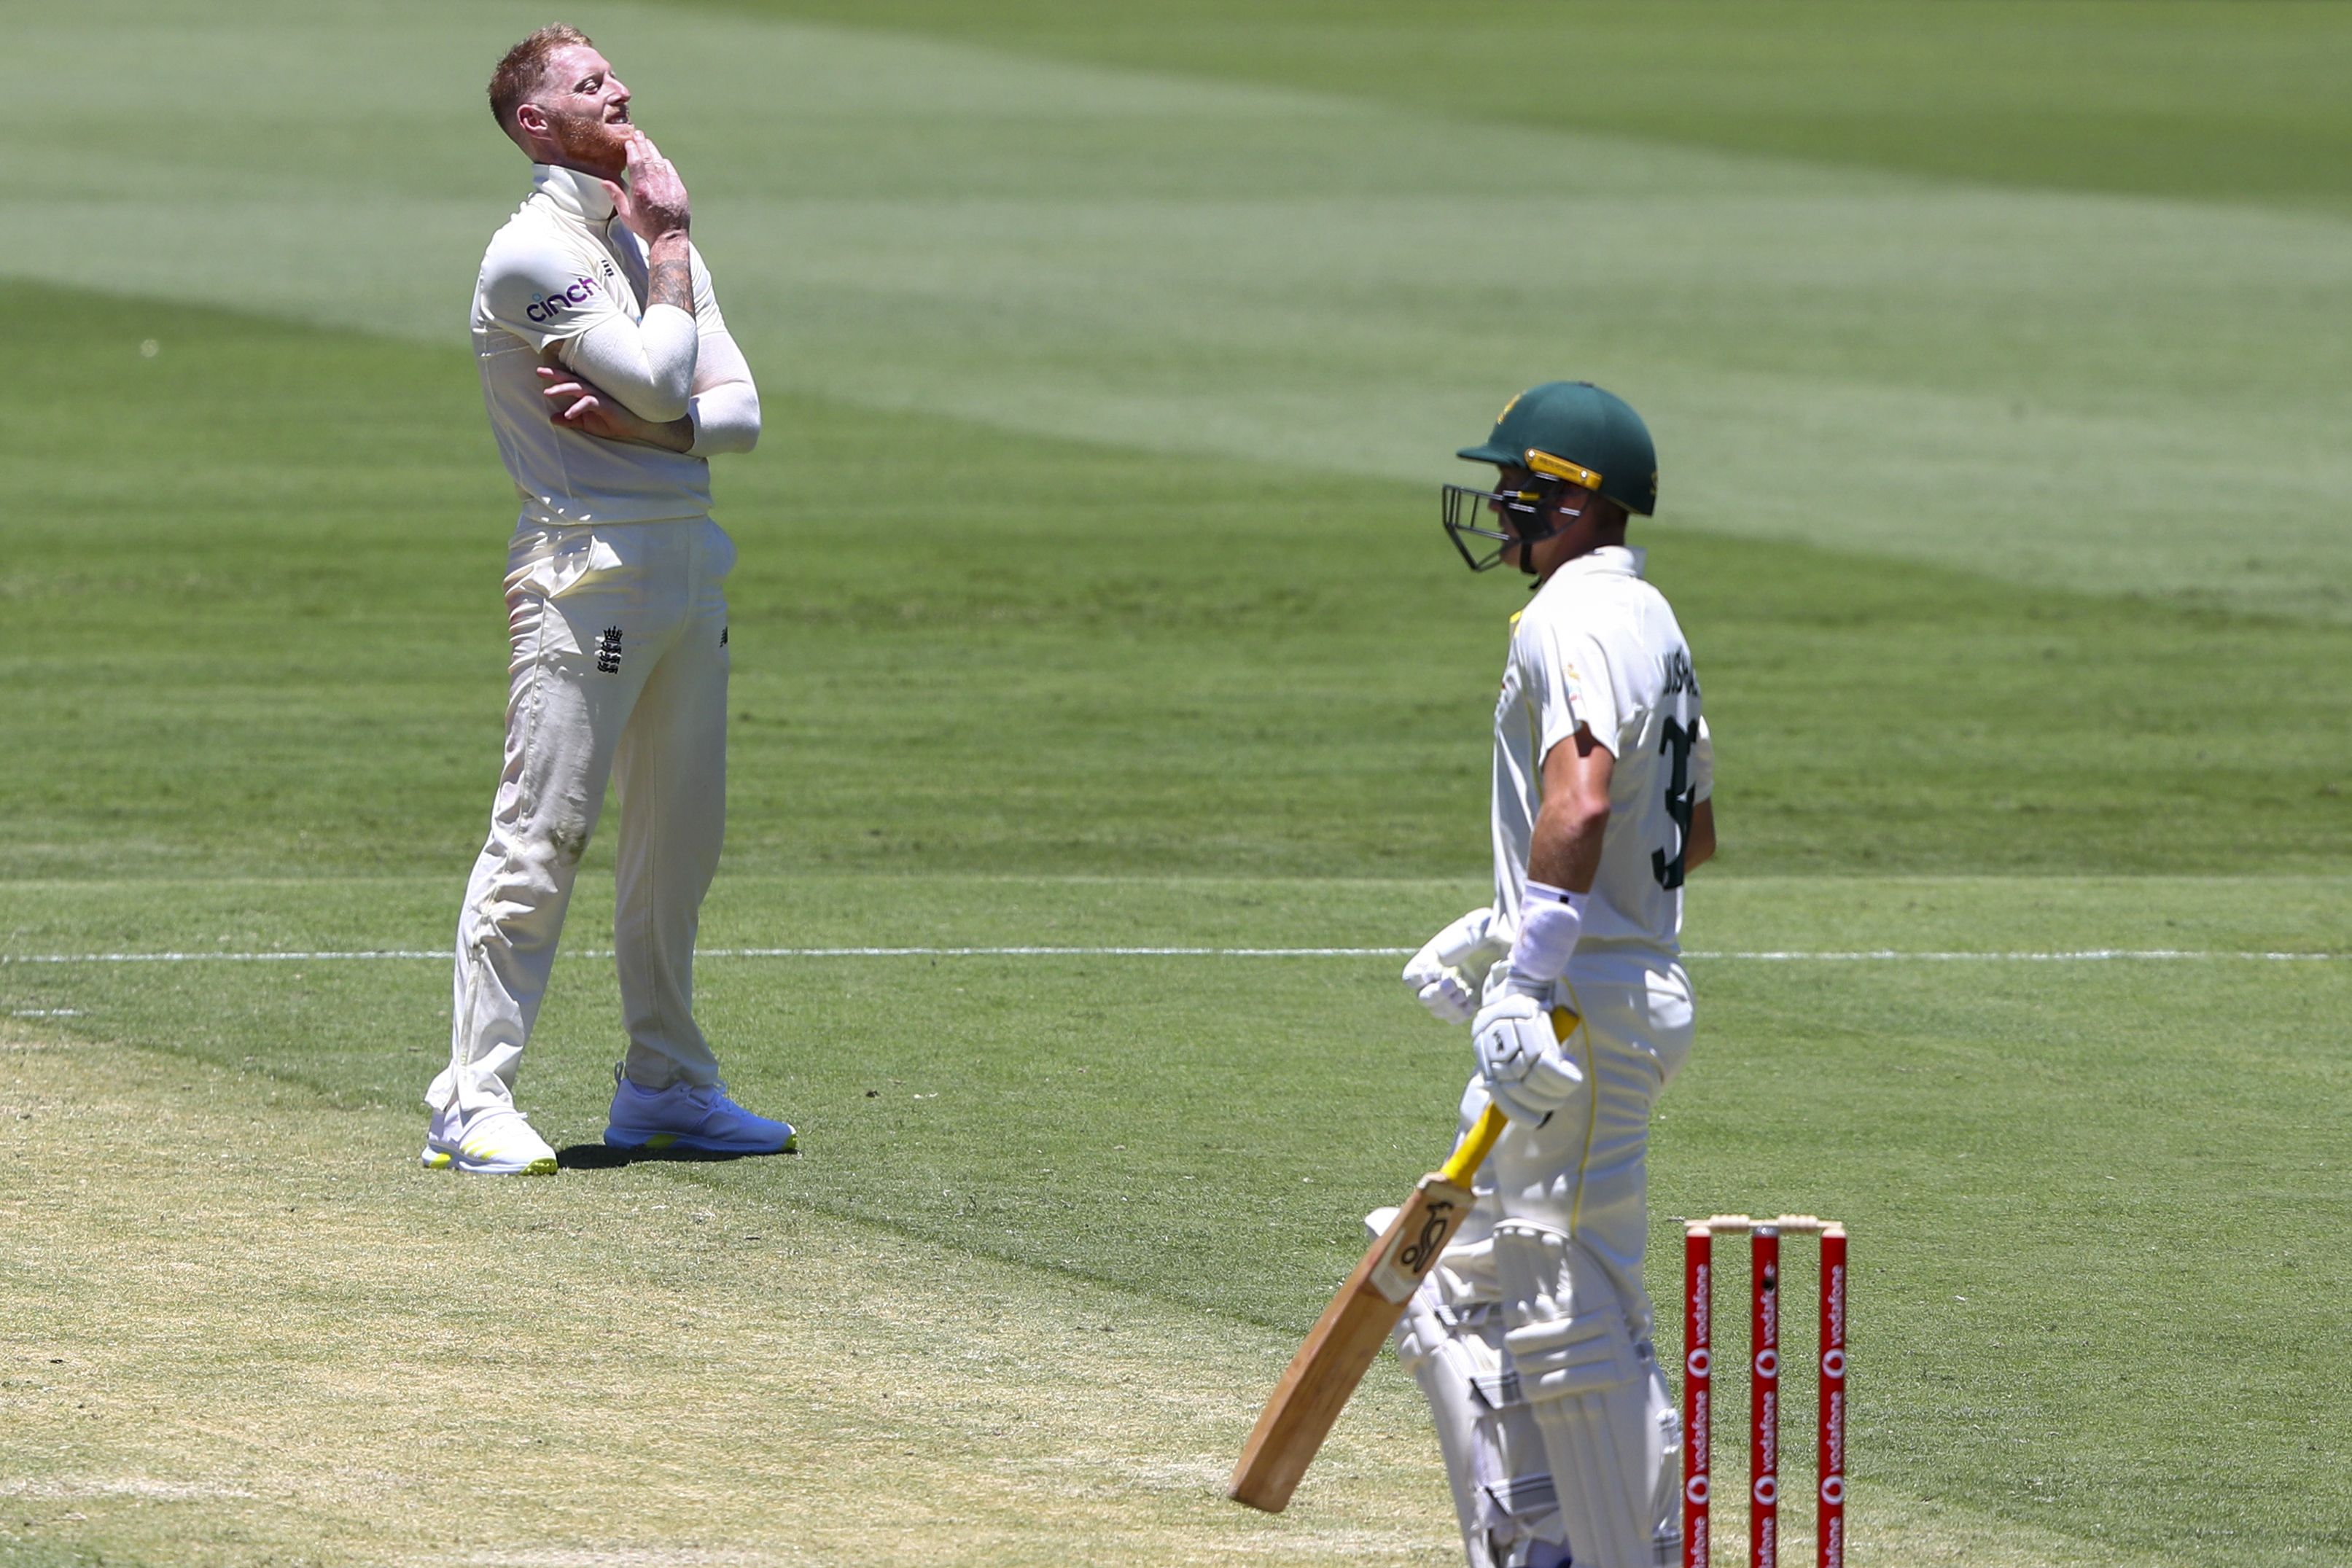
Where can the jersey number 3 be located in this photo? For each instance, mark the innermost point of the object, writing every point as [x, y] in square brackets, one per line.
[1676, 744]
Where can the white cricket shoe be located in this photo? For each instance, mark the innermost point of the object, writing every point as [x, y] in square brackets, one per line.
[495, 1142]
[684, 1116]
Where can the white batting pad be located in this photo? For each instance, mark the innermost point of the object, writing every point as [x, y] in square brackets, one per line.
[1610, 1434]
[1494, 1456]
[1568, 1333]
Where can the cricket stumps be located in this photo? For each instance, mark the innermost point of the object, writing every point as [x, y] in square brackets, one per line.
[1763, 1387]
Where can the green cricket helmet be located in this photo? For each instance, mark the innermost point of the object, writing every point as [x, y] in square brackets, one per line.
[1561, 434]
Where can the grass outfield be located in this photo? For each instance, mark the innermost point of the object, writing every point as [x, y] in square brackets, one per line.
[1091, 596]
[2102, 96]
[928, 229]
[1058, 657]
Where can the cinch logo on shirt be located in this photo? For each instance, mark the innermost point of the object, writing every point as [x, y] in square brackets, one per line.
[548, 306]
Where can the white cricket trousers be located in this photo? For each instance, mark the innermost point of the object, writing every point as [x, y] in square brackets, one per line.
[619, 672]
[1585, 1172]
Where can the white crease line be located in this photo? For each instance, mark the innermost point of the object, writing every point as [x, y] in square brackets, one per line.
[203, 958]
[737, 953]
[1880, 956]
[1057, 952]
[2089, 955]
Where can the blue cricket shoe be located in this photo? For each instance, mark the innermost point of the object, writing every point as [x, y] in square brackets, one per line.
[688, 1117]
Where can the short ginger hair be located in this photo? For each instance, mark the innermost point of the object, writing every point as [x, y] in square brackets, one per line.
[519, 72]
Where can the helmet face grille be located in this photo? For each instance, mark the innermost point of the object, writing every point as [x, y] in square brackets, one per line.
[1464, 509]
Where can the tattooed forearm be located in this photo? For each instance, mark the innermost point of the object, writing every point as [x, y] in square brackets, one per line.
[669, 279]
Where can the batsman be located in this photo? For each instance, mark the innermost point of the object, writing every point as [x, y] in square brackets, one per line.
[1531, 1339]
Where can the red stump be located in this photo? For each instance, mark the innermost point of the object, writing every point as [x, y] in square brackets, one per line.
[1833, 1413]
[1699, 1366]
[1764, 1398]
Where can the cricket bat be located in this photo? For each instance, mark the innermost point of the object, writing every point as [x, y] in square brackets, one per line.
[1349, 1333]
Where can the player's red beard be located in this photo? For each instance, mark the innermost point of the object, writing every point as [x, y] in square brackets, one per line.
[598, 145]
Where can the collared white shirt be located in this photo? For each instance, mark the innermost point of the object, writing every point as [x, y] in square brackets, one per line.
[563, 264]
[1600, 649]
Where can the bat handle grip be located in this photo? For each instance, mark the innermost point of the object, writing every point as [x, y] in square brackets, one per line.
[1479, 1141]
[1475, 1145]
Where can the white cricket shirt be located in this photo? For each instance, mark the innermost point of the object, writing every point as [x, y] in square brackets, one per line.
[562, 265]
[1597, 648]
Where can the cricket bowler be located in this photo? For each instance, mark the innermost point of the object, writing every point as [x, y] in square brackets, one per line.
[611, 381]
[1531, 1338]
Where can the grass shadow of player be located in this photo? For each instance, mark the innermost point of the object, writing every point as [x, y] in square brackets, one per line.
[604, 1157]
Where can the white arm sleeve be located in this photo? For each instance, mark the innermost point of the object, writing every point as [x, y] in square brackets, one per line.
[648, 365]
[726, 405]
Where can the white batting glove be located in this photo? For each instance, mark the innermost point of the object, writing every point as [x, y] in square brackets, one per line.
[1527, 1075]
[1448, 974]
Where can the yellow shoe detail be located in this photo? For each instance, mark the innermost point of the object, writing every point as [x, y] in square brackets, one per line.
[483, 1153]
[437, 1160]
[661, 1140]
